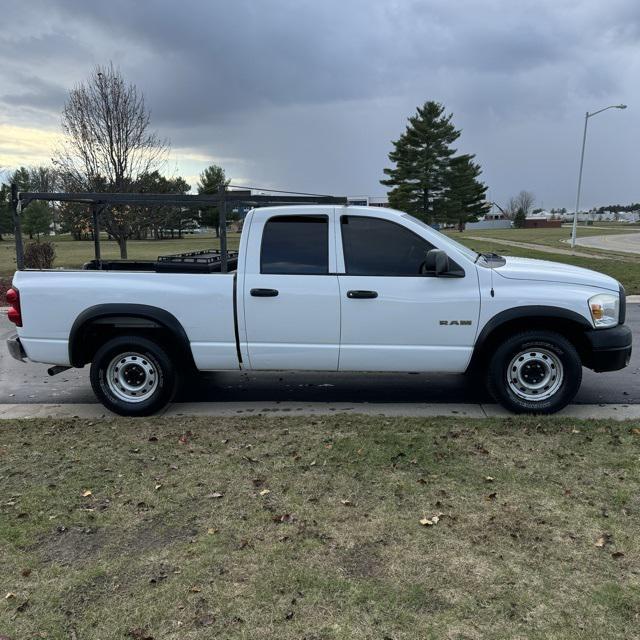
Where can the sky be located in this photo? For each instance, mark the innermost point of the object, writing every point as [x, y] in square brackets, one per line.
[308, 95]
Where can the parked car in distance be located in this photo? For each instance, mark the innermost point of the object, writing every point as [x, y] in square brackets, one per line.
[325, 288]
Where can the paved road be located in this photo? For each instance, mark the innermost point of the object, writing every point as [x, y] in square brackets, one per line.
[624, 242]
[29, 383]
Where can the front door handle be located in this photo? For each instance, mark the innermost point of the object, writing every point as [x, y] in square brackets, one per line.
[264, 293]
[362, 294]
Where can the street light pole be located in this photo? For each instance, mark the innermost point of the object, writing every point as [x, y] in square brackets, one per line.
[584, 140]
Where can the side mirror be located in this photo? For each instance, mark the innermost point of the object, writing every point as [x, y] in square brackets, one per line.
[436, 263]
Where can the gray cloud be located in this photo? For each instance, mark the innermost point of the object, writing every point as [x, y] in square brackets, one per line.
[308, 95]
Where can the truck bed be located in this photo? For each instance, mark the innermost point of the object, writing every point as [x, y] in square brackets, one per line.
[208, 261]
[202, 303]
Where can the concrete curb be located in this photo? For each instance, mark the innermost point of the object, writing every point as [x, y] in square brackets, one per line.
[280, 409]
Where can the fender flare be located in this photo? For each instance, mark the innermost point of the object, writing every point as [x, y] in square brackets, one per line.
[142, 315]
[522, 312]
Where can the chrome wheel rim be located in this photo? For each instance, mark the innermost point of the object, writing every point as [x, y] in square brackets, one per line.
[132, 377]
[535, 374]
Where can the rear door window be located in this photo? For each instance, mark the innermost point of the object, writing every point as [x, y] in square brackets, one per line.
[295, 245]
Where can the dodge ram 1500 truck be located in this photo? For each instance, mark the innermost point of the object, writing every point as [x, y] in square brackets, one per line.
[323, 288]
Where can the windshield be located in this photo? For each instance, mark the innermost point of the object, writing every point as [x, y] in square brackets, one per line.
[469, 253]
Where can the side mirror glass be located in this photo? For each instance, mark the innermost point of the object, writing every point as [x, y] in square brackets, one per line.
[436, 263]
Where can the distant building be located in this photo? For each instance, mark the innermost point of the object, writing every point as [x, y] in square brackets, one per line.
[368, 201]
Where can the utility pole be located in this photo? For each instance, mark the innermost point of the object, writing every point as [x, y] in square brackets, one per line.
[588, 115]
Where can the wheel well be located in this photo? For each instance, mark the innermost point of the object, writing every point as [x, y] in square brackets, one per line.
[570, 329]
[88, 335]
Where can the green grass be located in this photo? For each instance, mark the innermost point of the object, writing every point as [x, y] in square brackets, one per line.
[310, 528]
[549, 237]
[625, 269]
[73, 253]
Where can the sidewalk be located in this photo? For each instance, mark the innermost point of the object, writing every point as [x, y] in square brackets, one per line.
[244, 409]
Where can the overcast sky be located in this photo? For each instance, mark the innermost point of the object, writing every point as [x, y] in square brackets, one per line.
[307, 95]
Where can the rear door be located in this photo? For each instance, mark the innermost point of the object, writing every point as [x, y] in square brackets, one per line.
[291, 296]
[394, 318]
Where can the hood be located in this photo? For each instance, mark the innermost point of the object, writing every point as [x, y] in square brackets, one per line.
[547, 271]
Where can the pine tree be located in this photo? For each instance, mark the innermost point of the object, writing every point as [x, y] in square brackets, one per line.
[37, 219]
[421, 157]
[429, 181]
[6, 215]
[211, 179]
[464, 197]
[519, 218]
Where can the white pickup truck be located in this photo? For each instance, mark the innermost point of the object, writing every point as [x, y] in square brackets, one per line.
[321, 288]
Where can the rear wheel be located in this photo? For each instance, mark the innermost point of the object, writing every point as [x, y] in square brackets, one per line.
[133, 376]
[534, 372]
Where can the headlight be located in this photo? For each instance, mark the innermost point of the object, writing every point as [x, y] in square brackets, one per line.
[605, 309]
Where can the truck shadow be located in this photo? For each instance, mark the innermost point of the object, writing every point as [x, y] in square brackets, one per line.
[287, 386]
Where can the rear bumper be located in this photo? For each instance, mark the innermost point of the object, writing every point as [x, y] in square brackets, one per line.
[16, 349]
[608, 349]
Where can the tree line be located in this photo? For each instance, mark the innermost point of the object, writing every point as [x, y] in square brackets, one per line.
[108, 146]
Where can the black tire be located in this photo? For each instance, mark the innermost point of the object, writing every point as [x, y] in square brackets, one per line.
[545, 353]
[145, 362]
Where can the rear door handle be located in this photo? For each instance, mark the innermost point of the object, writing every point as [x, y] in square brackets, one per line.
[264, 293]
[362, 294]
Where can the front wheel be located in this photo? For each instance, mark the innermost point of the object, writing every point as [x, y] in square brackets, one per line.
[133, 376]
[534, 372]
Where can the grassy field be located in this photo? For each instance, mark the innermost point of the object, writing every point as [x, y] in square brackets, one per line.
[549, 237]
[627, 272]
[72, 253]
[625, 268]
[318, 528]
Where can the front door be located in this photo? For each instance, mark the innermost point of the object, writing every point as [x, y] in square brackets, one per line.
[291, 296]
[393, 317]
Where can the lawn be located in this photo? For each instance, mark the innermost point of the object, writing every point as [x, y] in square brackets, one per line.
[72, 253]
[626, 268]
[549, 237]
[346, 527]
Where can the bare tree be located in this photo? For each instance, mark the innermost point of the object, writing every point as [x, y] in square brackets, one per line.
[108, 143]
[525, 201]
[511, 208]
[522, 202]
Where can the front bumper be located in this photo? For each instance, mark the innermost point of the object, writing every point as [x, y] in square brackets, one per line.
[608, 349]
[16, 349]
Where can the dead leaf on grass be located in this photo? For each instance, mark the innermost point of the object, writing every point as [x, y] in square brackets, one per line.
[489, 478]
[285, 517]
[603, 540]
[430, 522]
[347, 503]
[265, 492]
[215, 494]
[86, 493]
